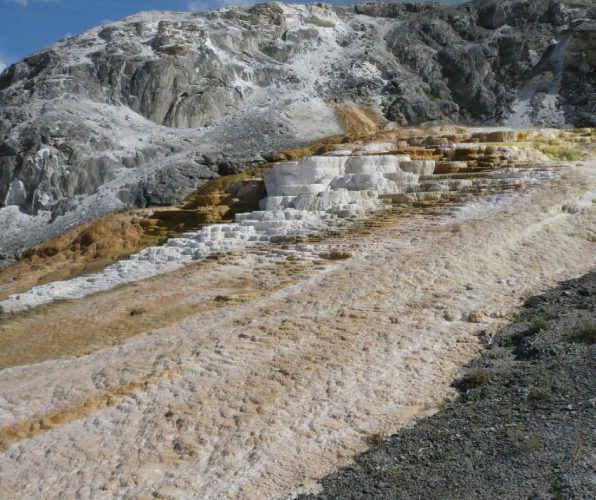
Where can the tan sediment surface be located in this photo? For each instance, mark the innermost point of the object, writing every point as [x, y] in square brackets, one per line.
[74, 328]
[255, 400]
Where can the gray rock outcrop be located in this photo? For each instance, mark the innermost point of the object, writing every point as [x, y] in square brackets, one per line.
[147, 109]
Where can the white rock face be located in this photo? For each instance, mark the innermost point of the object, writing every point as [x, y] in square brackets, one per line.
[336, 184]
[419, 167]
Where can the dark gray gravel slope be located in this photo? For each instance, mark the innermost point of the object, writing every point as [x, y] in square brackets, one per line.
[526, 431]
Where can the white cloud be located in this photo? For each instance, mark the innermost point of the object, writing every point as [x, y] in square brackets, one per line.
[201, 5]
[5, 60]
[198, 6]
[24, 3]
[107, 21]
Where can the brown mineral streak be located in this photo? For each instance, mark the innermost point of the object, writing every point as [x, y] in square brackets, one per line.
[29, 428]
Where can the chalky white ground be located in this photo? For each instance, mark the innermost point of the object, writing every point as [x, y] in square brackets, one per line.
[261, 399]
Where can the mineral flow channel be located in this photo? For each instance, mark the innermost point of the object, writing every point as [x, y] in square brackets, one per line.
[261, 399]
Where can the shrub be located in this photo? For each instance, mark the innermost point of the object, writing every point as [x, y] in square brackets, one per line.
[587, 333]
[375, 439]
[539, 395]
[533, 301]
[538, 324]
[472, 380]
[530, 444]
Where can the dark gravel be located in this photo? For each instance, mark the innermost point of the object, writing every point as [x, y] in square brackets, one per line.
[523, 426]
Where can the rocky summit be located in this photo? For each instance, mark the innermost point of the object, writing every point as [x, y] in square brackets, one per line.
[146, 110]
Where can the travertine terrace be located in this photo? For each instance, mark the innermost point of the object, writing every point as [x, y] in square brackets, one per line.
[252, 369]
[318, 194]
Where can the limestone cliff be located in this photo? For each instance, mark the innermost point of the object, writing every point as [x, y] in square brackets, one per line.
[145, 110]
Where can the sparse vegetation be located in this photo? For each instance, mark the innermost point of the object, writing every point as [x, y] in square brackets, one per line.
[375, 439]
[472, 380]
[530, 444]
[559, 152]
[518, 318]
[587, 333]
[533, 301]
[539, 395]
[537, 325]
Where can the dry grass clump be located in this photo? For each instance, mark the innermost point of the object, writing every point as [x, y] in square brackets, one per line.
[472, 380]
[207, 194]
[533, 301]
[109, 234]
[375, 439]
[539, 395]
[353, 120]
[587, 333]
[86, 249]
[539, 324]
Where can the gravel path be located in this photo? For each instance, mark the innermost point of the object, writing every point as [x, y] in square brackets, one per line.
[527, 431]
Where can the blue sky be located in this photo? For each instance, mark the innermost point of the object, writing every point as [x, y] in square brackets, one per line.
[29, 25]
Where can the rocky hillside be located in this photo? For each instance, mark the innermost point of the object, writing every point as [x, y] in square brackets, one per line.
[145, 110]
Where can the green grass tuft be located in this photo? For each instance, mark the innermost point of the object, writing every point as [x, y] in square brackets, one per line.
[559, 152]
